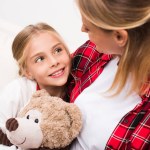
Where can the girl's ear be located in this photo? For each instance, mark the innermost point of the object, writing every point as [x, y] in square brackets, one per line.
[28, 74]
[121, 37]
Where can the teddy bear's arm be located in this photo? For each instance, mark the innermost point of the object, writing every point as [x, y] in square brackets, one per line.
[4, 140]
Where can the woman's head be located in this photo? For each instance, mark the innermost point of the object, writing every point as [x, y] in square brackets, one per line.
[115, 14]
[42, 55]
[128, 22]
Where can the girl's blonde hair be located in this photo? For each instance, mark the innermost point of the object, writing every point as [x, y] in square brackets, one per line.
[134, 17]
[24, 37]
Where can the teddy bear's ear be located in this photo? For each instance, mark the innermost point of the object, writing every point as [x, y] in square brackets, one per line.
[75, 119]
[40, 93]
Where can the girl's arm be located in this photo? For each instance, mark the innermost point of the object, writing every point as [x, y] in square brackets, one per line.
[12, 98]
[9, 107]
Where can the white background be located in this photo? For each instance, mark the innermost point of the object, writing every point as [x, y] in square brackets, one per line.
[63, 15]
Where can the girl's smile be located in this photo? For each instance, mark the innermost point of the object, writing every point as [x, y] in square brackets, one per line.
[57, 73]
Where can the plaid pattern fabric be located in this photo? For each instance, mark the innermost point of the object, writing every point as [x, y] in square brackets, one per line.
[133, 131]
[87, 64]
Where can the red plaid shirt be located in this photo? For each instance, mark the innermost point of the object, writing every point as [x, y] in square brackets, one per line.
[133, 130]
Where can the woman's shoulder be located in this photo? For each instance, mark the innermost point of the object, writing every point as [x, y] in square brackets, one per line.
[85, 57]
[85, 49]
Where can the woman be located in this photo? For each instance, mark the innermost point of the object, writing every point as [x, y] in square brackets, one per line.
[112, 86]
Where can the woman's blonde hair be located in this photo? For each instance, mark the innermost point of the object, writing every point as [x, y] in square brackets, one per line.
[134, 17]
[24, 37]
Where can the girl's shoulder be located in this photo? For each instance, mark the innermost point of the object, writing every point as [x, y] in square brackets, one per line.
[18, 84]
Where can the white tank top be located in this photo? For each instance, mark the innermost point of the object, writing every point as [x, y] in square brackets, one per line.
[101, 114]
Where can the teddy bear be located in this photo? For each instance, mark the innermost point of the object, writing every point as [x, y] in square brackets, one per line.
[46, 121]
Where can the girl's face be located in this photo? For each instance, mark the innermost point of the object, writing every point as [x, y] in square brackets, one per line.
[104, 40]
[47, 60]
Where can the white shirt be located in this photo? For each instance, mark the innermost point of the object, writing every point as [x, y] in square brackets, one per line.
[100, 113]
[12, 98]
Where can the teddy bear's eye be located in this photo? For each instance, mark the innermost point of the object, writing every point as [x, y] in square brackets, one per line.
[36, 120]
[28, 117]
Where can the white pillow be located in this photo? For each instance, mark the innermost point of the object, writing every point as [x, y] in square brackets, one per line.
[8, 66]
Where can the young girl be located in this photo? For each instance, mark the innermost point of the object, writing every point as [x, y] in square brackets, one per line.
[44, 63]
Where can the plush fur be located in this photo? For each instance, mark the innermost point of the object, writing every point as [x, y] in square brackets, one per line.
[45, 121]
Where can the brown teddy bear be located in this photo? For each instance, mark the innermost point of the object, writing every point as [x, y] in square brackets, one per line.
[46, 121]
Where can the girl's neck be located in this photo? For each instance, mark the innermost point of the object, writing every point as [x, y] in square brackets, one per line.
[56, 91]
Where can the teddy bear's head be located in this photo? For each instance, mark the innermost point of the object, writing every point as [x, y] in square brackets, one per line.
[45, 121]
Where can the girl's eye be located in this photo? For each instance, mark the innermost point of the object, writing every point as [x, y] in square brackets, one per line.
[57, 50]
[39, 59]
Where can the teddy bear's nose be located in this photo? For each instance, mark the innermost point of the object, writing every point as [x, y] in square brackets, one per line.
[12, 124]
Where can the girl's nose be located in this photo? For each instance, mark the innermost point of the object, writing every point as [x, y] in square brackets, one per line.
[53, 62]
